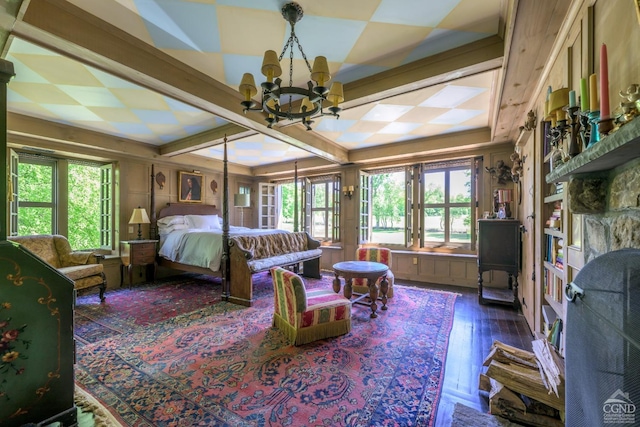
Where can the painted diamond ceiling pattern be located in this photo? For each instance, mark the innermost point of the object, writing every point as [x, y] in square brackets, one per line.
[226, 38]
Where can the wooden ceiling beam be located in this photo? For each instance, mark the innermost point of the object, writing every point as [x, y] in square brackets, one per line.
[431, 145]
[470, 59]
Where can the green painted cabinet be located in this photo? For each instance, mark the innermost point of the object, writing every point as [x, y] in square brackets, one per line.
[36, 340]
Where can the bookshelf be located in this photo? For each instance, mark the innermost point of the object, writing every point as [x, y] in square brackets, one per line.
[555, 239]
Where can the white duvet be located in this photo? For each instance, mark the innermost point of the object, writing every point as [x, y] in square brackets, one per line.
[202, 248]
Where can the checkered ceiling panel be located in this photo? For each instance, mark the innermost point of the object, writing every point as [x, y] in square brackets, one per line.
[225, 38]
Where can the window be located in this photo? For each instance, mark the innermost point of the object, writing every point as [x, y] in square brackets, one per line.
[420, 206]
[383, 207]
[318, 206]
[68, 197]
[447, 206]
[322, 210]
[37, 197]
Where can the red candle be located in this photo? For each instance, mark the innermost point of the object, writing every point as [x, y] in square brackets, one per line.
[605, 112]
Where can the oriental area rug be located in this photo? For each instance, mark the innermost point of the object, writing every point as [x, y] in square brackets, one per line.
[171, 353]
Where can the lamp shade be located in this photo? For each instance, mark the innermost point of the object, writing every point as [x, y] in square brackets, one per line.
[307, 105]
[336, 95]
[248, 86]
[270, 65]
[504, 196]
[320, 71]
[139, 216]
[558, 99]
[241, 200]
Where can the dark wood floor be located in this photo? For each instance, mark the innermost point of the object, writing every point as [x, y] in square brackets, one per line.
[475, 327]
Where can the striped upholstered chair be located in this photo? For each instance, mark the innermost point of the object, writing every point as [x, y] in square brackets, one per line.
[306, 316]
[382, 255]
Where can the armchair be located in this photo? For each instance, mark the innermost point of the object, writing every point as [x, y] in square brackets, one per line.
[83, 267]
[382, 255]
[306, 316]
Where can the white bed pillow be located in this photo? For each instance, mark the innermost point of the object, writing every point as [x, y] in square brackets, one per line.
[172, 220]
[163, 230]
[203, 222]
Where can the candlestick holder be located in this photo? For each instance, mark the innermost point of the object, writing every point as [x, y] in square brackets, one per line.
[605, 126]
[594, 135]
[574, 140]
[585, 128]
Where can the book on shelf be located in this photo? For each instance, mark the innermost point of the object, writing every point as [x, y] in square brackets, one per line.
[553, 286]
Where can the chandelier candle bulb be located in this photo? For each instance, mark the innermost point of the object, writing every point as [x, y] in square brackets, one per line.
[307, 105]
[605, 111]
[593, 92]
[584, 97]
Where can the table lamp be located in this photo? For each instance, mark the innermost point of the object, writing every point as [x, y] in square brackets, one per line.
[139, 216]
[241, 201]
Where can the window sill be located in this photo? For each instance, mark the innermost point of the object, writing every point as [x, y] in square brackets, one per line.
[439, 253]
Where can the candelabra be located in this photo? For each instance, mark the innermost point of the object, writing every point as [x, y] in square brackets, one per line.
[585, 128]
[594, 134]
[574, 141]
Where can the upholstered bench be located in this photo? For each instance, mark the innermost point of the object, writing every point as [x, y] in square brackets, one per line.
[256, 253]
[83, 267]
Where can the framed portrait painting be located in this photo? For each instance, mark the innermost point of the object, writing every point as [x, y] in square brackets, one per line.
[190, 187]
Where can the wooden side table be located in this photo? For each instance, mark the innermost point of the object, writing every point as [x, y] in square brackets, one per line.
[138, 252]
[372, 271]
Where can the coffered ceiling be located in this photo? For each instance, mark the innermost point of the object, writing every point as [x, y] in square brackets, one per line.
[162, 75]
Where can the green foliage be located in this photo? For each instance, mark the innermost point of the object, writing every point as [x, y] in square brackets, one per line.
[37, 204]
[387, 199]
[287, 202]
[35, 188]
[84, 207]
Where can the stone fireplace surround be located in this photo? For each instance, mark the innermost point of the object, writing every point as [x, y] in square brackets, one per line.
[604, 186]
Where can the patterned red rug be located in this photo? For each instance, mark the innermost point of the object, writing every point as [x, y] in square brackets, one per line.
[223, 365]
[126, 309]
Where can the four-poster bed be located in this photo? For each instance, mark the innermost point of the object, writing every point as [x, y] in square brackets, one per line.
[196, 238]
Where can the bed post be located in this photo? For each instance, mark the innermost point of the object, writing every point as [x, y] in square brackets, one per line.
[152, 208]
[225, 226]
[295, 196]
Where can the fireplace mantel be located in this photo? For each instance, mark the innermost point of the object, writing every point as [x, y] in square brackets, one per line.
[587, 172]
[612, 151]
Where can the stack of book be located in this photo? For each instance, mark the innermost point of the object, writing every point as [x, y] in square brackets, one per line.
[555, 219]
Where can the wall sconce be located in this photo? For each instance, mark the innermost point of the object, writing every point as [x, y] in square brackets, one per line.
[348, 191]
[160, 179]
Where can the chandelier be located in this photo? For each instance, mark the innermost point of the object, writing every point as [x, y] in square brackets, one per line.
[277, 100]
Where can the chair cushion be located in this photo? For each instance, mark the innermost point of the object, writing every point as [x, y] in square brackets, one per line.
[77, 272]
[323, 306]
[262, 264]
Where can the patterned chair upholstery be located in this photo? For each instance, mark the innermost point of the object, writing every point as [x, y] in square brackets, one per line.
[306, 316]
[382, 255]
[83, 267]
